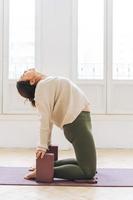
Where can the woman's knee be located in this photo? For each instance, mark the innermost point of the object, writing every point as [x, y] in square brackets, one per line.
[89, 173]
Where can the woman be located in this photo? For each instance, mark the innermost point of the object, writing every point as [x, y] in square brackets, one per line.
[62, 103]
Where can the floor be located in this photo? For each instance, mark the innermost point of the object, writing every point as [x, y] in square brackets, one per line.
[106, 158]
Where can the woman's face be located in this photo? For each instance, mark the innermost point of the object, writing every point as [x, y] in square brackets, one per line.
[32, 76]
[28, 75]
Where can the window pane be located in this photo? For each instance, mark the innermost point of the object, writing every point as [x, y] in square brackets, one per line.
[90, 39]
[21, 36]
[122, 40]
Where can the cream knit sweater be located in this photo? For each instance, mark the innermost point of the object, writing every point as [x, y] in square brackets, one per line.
[59, 101]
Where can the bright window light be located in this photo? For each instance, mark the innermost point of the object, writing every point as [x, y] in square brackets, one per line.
[90, 39]
[21, 36]
[122, 40]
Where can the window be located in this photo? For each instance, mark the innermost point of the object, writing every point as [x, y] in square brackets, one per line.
[122, 40]
[19, 30]
[102, 47]
[90, 39]
[21, 36]
[104, 54]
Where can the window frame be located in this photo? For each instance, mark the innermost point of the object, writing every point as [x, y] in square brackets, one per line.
[107, 82]
[113, 83]
[6, 109]
[74, 70]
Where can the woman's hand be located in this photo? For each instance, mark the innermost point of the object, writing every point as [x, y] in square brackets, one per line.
[40, 153]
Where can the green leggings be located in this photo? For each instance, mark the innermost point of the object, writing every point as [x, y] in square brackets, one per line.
[79, 134]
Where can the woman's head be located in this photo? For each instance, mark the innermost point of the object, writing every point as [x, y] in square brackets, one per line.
[26, 85]
[26, 90]
[30, 75]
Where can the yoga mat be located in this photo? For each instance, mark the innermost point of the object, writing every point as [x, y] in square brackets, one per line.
[105, 178]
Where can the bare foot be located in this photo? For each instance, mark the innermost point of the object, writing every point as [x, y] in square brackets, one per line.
[32, 168]
[31, 175]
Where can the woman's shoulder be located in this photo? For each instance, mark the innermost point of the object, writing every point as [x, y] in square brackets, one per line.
[45, 85]
[51, 82]
[44, 81]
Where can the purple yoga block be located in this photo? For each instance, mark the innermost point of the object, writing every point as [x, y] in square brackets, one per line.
[54, 150]
[45, 168]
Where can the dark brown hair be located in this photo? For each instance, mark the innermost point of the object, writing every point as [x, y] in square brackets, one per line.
[26, 90]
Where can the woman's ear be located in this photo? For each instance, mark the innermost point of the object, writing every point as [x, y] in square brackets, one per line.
[32, 81]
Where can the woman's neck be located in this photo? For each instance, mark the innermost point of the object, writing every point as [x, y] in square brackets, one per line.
[40, 77]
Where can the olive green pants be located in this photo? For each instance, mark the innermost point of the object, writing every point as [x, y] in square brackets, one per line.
[79, 134]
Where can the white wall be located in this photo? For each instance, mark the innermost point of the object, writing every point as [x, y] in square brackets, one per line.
[108, 132]
[113, 131]
[22, 131]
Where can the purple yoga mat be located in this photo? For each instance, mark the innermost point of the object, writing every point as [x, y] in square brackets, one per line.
[105, 178]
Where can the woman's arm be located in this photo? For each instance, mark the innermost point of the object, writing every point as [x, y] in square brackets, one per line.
[45, 132]
[44, 101]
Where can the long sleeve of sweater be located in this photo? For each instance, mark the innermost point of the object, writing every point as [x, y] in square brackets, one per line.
[45, 132]
[46, 124]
